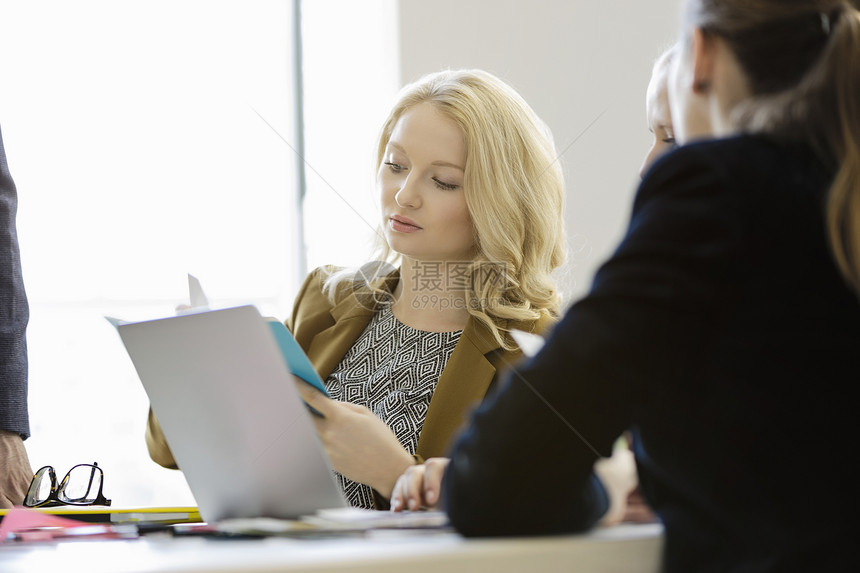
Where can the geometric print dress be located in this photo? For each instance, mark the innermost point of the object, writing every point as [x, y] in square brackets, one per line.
[392, 369]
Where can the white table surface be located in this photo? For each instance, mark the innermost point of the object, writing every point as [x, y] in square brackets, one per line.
[622, 549]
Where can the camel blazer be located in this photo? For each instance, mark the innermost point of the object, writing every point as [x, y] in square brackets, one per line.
[326, 331]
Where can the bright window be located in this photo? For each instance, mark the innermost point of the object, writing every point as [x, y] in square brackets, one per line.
[351, 75]
[149, 139]
[134, 136]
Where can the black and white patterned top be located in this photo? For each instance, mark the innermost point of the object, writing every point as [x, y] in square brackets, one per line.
[393, 370]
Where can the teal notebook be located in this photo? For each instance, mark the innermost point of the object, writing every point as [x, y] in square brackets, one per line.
[297, 360]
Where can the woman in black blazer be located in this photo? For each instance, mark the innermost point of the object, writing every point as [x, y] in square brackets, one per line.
[725, 330]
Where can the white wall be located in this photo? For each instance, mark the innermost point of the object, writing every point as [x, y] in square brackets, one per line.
[574, 61]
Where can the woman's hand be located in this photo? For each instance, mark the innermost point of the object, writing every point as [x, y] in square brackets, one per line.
[637, 510]
[619, 478]
[360, 445]
[419, 486]
[15, 472]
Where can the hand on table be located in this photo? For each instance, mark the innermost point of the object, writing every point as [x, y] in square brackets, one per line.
[419, 486]
[619, 478]
[637, 511]
[15, 471]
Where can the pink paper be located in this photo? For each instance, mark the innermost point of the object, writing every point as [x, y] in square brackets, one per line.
[20, 519]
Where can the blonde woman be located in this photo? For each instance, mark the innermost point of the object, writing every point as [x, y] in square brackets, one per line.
[471, 229]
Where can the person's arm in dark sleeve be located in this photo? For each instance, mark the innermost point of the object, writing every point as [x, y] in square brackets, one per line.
[14, 313]
[15, 471]
[525, 465]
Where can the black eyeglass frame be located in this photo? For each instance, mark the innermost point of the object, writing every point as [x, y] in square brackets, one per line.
[55, 497]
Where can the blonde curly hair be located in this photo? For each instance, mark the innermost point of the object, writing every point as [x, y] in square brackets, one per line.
[514, 190]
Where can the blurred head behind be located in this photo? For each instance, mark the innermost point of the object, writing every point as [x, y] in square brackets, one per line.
[513, 187]
[790, 68]
[657, 110]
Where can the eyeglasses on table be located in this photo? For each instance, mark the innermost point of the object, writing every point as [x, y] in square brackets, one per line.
[81, 486]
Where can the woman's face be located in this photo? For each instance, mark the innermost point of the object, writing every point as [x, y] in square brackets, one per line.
[659, 118]
[424, 212]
